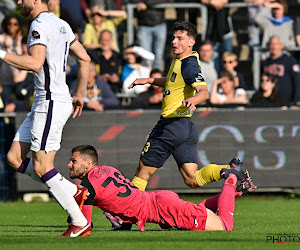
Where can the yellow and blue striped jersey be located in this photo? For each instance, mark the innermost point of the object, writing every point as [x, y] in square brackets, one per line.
[184, 74]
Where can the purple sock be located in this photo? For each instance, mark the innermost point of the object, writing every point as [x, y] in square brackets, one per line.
[23, 166]
[49, 175]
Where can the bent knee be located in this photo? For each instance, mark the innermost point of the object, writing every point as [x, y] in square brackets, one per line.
[13, 160]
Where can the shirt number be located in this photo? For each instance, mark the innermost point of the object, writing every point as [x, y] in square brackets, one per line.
[126, 183]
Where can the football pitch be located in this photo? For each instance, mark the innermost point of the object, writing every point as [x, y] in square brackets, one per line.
[36, 226]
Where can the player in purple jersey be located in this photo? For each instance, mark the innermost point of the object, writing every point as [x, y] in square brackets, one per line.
[114, 193]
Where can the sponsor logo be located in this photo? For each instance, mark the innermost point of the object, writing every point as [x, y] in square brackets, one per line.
[78, 193]
[167, 92]
[196, 223]
[199, 77]
[173, 77]
[185, 113]
[35, 34]
[62, 30]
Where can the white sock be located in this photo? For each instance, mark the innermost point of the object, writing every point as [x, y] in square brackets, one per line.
[71, 187]
[58, 186]
[30, 172]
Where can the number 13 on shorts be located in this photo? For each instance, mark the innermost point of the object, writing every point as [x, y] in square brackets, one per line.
[146, 147]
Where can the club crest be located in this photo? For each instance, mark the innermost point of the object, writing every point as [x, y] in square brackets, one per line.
[173, 77]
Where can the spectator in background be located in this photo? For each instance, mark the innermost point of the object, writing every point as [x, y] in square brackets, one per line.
[7, 104]
[277, 25]
[268, 94]
[297, 30]
[63, 13]
[102, 20]
[98, 95]
[6, 9]
[88, 5]
[151, 98]
[108, 61]
[152, 29]
[138, 65]
[219, 28]
[77, 14]
[193, 13]
[10, 39]
[286, 69]
[207, 63]
[253, 30]
[230, 94]
[230, 62]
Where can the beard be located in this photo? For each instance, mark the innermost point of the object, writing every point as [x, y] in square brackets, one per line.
[25, 11]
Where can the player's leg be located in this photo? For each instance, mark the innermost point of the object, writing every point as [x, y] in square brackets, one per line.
[225, 207]
[226, 200]
[185, 155]
[155, 152]
[142, 175]
[17, 154]
[58, 186]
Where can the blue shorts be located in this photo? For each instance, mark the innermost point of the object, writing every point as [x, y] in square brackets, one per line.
[176, 136]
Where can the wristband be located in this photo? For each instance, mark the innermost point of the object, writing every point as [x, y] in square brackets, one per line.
[2, 54]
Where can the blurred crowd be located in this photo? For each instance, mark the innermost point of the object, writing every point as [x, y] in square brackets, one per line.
[99, 25]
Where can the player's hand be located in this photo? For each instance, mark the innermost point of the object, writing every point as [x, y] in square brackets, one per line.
[189, 104]
[138, 81]
[77, 106]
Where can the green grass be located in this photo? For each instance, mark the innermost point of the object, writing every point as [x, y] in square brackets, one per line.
[36, 226]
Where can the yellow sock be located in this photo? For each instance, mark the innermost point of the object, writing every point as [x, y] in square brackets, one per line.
[209, 173]
[139, 183]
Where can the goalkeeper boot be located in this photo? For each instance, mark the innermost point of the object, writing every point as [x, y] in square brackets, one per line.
[236, 168]
[80, 196]
[115, 224]
[246, 185]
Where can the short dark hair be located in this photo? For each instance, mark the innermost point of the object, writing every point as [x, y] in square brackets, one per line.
[87, 152]
[228, 75]
[206, 42]
[154, 71]
[189, 27]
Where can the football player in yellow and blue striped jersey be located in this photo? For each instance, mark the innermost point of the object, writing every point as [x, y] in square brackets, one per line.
[175, 133]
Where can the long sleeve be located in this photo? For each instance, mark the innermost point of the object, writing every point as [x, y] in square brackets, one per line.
[147, 56]
[261, 18]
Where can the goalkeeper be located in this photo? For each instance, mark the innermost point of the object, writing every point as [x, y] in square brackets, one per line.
[113, 193]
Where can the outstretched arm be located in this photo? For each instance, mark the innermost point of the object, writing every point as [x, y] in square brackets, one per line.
[161, 82]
